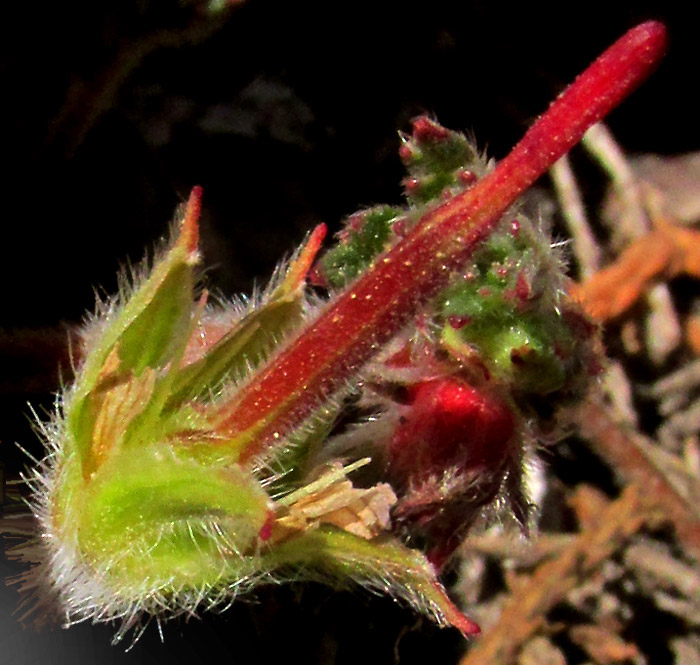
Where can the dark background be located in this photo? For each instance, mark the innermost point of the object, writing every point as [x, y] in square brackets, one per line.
[286, 113]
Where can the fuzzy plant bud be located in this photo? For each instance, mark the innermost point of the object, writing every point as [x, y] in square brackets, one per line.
[447, 456]
[508, 313]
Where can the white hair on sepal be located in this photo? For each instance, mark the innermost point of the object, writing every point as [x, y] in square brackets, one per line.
[61, 574]
[81, 590]
[226, 313]
[130, 277]
[39, 584]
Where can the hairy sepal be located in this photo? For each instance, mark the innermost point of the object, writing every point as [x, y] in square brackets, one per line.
[146, 509]
[384, 566]
[128, 498]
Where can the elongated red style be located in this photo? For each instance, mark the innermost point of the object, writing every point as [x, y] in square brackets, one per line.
[374, 308]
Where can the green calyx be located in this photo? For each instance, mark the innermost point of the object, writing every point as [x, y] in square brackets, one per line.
[440, 163]
[151, 504]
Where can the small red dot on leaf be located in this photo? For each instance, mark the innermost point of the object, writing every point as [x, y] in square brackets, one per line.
[456, 321]
[467, 177]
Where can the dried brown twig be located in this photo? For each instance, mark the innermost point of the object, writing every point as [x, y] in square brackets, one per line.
[524, 613]
[657, 248]
[661, 254]
[631, 457]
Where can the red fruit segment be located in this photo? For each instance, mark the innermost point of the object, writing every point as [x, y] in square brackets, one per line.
[450, 424]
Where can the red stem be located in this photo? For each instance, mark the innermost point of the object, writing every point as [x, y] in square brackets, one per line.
[374, 308]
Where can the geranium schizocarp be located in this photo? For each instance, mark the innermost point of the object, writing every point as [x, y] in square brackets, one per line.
[194, 455]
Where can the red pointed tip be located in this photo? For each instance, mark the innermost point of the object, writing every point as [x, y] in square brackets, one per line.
[189, 230]
[639, 51]
[468, 628]
[300, 268]
[621, 68]
[598, 90]
[454, 616]
[313, 245]
[318, 234]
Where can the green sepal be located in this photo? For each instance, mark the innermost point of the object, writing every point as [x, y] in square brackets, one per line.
[381, 565]
[156, 333]
[242, 349]
[146, 333]
[279, 311]
[152, 515]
